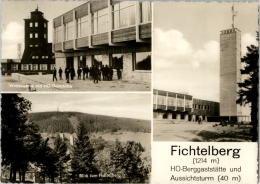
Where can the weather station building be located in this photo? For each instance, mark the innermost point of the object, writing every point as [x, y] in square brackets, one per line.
[230, 75]
[106, 32]
[37, 56]
[179, 106]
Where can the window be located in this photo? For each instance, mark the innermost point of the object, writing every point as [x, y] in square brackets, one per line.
[36, 35]
[82, 26]
[188, 103]
[100, 21]
[97, 59]
[43, 66]
[43, 57]
[31, 35]
[124, 14]
[146, 11]
[33, 57]
[52, 66]
[31, 45]
[36, 24]
[143, 61]
[36, 57]
[36, 45]
[46, 57]
[161, 100]
[24, 67]
[35, 67]
[117, 61]
[171, 101]
[45, 36]
[58, 34]
[69, 31]
[14, 67]
[31, 24]
[180, 102]
[45, 25]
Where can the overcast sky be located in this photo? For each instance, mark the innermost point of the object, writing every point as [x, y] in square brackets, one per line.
[113, 104]
[186, 44]
[12, 18]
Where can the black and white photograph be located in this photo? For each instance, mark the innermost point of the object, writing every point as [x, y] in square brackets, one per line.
[205, 71]
[101, 45]
[79, 138]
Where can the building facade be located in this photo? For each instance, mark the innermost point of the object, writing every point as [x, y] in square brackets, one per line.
[37, 55]
[230, 65]
[106, 32]
[170, 105]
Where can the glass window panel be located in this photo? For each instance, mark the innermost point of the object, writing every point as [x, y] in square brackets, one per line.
[98, 60]
[161, 100]
[143, 61]
[117, 61]
[180, 102]
[171, 101]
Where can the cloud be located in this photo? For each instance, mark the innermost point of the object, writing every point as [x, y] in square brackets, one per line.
[11, 36]
[246, 40]
[171, 47]
[180, 67]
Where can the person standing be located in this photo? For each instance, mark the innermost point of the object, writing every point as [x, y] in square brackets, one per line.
[79, 73]
[119, 74]
[84, 72]
[67, 73]
[60, 73]
[54, 76]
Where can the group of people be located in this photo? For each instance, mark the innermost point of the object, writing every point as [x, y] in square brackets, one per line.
[95, 73]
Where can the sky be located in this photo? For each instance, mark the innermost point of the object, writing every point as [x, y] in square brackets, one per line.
[12, 19]
[186, 44]
[129, 105]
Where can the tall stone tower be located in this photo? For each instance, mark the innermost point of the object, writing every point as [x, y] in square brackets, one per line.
[37, 53]
[230, 56]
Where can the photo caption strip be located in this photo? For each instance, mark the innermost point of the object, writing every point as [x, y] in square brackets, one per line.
[191, 162]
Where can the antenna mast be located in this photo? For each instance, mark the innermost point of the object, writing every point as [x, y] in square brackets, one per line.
[234, 13]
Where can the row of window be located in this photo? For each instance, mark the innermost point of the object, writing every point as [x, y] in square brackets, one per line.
[201, 107]
[172, 101]
[42, 67]
[35, 35]
[37, 57]
[124, 15]
[34, 45]
[35, 24]
[142, 61]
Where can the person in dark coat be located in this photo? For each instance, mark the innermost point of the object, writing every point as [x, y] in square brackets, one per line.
[60, 73]
[67, 73]
[111, 72]
[72, 73]
[54, 76]
[96, 74]
[119, 74]
[79, 73]
[84, 72]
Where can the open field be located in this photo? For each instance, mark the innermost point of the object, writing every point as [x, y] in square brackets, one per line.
[170, 130]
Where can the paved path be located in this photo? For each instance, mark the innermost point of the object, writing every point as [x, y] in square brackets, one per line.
[45, 83]
[172, 130]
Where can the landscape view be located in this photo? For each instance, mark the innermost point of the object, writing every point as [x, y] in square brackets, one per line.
[72, 146]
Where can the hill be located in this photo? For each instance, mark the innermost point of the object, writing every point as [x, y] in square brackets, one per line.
[66, 122]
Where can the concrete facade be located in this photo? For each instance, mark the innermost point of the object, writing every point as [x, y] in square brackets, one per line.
[230, 65]
[171, 105]
[79, 34]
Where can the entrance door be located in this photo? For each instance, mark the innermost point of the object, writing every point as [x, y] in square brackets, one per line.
[69, 62]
